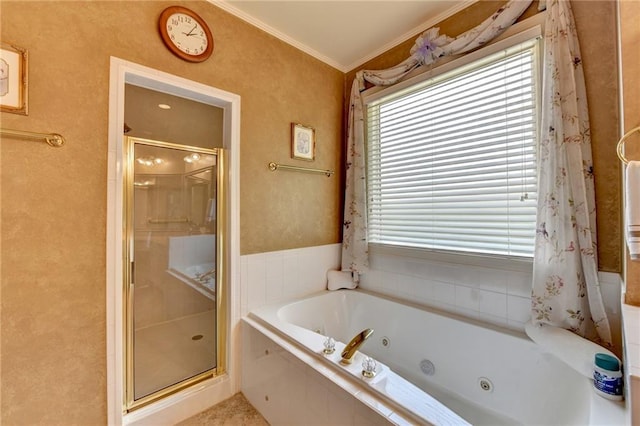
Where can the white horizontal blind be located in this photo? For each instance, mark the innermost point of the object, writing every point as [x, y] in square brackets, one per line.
[451, 162]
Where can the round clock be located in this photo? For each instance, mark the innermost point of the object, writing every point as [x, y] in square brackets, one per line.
[185, 33]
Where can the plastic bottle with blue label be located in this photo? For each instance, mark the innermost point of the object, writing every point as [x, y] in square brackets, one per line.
[607, 377]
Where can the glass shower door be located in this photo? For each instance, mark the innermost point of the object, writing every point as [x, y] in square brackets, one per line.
[172, 315]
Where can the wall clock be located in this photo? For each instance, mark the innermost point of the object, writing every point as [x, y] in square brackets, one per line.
[185, 33]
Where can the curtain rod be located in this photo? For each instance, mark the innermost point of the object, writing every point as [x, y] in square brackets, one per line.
[53, 139]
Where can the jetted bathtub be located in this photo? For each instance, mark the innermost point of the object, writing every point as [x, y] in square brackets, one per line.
[441, 368]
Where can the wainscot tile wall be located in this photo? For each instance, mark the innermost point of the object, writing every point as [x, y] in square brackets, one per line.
[492, 295]
[499, 296]
[281, 275]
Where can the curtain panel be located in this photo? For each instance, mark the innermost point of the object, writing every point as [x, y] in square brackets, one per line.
[566, 292]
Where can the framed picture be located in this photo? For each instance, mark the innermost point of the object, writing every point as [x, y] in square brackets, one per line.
[13, 79]
[303, 142]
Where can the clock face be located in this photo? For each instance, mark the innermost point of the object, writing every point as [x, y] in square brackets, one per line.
[187, 34]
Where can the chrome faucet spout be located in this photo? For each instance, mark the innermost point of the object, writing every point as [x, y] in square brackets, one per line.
[355, 343]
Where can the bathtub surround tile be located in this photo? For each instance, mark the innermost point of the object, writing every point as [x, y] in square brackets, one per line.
[444, 293]
[494, 320]
[499, 294]
[256, 281]
[493, 303]
[296, 392]
[274, 276]
[467, 298]
[518, 309]
[519, 284]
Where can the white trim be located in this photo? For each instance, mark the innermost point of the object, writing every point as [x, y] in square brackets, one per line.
[224, 5]
[198, 398]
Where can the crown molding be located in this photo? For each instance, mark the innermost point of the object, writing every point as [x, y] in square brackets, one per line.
[224, 5]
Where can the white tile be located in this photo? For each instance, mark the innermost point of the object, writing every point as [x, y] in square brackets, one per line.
[274, 277]
[444, 293]
[244, 291]
[467, 298]
[491, 319]
[415, 267]
[291, 279]
[519, 283]
[518, 308]
[468, 313]
[493, 303]
[340, 406]
[491, 279]
[515, 325]
[256, 281]
[441, 272]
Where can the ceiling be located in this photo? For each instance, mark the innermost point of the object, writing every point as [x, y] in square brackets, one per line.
[343, 33]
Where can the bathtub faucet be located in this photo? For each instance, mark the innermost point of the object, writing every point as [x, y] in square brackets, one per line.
[355, 343]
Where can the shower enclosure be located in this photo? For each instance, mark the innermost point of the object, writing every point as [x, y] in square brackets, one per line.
[174, 267]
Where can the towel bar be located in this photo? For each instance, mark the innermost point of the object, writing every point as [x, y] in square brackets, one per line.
[621, 144]
[274, 166]
[53, 139]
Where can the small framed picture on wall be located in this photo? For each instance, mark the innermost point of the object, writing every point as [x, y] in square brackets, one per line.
[303, 142]
[13, 79]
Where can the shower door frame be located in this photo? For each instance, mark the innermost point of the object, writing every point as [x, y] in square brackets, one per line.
[129, 266]
[186, 403]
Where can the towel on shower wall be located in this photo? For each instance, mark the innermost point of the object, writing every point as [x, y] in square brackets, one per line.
[632, 210]
[338, 279]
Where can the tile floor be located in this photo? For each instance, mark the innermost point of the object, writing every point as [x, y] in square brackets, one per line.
[235, 411]
[172, 351]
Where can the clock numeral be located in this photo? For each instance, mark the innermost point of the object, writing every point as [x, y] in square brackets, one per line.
[174, 21]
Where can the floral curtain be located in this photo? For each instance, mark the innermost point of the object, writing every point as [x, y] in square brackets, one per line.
[428, 48]
[566, 291]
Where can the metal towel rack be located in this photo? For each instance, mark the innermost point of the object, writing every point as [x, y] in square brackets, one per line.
[620, 146]
[52, 139]
[275, 166]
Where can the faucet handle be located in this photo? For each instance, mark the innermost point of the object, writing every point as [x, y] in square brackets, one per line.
[329, 346]
[369, 367]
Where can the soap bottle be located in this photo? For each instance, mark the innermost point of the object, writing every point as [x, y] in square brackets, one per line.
[607, 377]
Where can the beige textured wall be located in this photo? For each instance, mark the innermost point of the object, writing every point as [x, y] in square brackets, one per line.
[53, 359]
[598, 44]
[630, 40]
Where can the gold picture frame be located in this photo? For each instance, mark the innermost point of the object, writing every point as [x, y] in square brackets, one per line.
[303, 142]
[13, 79]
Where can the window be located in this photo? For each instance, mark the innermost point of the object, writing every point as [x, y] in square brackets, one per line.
[451, 160]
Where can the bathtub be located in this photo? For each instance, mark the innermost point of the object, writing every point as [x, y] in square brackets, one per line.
[437, 368]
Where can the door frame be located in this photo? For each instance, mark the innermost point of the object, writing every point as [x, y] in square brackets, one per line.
[199, 397]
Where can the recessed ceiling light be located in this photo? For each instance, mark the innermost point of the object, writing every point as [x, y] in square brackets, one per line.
[164, 106]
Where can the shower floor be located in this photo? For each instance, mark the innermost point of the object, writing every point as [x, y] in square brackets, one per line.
[167, 353]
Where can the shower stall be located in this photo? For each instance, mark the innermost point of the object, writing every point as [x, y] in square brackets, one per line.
[173, 277]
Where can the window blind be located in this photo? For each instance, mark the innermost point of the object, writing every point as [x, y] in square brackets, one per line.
[451, 162]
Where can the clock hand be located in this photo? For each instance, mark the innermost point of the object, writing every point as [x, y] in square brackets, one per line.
[190, 32]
